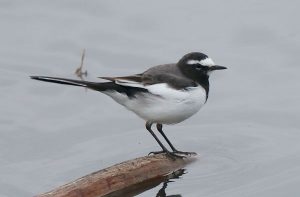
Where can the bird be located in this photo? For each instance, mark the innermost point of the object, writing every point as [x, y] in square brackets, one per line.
[165, 94]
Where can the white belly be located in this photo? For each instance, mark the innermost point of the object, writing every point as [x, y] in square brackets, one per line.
[165, 105]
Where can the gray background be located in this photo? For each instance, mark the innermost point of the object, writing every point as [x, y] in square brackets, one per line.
[247, 136]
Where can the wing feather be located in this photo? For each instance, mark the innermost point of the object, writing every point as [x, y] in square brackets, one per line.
[168, 74]
[131, 81]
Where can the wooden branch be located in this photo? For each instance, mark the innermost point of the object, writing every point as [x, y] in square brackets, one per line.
[144, 170]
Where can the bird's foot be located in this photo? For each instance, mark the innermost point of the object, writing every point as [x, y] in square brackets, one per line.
[156, 152]
[184, 153]
[172, 155]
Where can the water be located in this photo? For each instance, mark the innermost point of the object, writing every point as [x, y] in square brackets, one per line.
[247, 135]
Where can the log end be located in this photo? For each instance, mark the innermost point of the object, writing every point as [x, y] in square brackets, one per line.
[131, 176]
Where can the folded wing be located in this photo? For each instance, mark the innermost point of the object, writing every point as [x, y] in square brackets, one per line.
[144, 80]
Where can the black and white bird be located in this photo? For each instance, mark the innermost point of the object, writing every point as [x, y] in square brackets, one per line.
[164, 94]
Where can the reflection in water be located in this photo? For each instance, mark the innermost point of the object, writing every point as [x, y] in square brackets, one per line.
[162, 191]
[150, 184]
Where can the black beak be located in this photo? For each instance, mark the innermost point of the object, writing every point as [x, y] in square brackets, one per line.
[217, 67]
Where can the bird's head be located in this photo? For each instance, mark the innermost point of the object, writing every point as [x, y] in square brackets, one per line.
[195, 65]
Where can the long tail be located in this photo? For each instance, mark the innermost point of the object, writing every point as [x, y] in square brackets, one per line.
[102, 86]
[87, 84]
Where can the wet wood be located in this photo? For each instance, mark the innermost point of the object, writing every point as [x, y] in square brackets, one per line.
[124, 175]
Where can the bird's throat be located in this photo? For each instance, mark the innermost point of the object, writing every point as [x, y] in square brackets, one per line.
[204, 82]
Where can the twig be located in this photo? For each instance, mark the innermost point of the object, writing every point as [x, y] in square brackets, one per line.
[79, 71]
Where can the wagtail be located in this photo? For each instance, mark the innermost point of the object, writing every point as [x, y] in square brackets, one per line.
[164, 94]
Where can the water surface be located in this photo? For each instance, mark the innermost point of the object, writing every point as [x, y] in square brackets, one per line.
[247, 136]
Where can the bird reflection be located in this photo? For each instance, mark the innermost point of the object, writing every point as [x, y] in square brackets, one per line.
[174, 175]
[137, 189]
[162, 191]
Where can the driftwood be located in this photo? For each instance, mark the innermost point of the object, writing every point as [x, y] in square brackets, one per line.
[125, 179]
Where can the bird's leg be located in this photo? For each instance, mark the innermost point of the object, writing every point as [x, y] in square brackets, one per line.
[164, 149]
[159, 128]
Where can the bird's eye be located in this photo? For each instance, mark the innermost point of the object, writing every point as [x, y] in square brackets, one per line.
[199, 67]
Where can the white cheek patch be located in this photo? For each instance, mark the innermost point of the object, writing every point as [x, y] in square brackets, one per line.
[206, 62]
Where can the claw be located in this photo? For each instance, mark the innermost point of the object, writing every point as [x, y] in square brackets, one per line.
[156, 152]
[185, 153]
[173, 155]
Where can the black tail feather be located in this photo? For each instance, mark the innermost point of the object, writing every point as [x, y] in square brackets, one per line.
[102, 86]
[61, 81]
[73, 82]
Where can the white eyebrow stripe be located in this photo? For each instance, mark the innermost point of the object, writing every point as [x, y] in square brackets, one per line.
[206, 62]
[191, 62]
